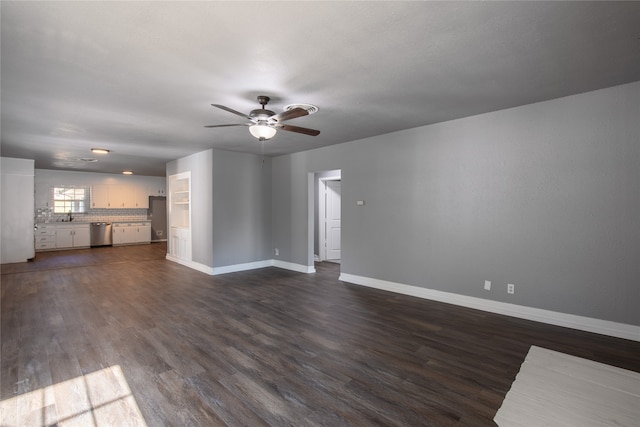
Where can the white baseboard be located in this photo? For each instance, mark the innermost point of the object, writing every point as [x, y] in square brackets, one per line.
[194, 265]
[242, 267]
[295, 267]
[603, 327]
[212, 271]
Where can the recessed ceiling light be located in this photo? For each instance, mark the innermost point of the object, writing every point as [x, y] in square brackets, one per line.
[100, 150]
[89, 160]
[127, 172]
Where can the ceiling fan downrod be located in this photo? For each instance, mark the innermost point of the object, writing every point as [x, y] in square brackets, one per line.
[263, 100]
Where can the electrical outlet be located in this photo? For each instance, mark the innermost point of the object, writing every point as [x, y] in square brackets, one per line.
[277, 251]
[510, 288]
[487, 285]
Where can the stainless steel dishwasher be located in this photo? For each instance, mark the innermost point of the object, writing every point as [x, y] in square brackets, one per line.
[100, 233]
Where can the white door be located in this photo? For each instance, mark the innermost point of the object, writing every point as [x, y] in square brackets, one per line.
[332, 219]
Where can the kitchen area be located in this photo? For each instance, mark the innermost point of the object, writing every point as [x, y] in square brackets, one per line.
[81, 210]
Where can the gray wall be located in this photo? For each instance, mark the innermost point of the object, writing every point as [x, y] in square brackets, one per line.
[231, 206]
[545, 196]
[241, 208]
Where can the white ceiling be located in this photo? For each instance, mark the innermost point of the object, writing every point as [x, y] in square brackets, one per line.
[138, 78]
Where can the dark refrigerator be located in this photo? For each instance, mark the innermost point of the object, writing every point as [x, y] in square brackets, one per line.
[158, 217]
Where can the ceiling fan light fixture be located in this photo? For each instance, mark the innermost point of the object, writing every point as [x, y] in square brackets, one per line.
[262, 132]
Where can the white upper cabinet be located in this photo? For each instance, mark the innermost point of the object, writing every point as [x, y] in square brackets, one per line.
[119, 196]
[141, 200]
[100, 197]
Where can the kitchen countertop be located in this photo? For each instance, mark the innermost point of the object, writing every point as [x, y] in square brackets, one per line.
[62, 222]
[89, 222]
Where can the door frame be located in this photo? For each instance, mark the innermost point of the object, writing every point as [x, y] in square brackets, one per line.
[312, 201]
[322, 219]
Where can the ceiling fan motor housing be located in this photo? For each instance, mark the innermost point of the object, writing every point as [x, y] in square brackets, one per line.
[261, 114]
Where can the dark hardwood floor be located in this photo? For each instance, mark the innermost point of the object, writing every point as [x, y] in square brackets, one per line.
[264, 347]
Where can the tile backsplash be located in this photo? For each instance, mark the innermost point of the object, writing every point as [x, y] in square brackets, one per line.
[92, 215]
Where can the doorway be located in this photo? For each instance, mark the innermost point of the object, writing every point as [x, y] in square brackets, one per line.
[328, 216]
[332, 221]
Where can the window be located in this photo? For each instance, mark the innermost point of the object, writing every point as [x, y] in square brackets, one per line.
[70, 199]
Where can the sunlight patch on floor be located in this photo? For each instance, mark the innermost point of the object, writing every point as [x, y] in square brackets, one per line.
[557, 389]
[101, 398]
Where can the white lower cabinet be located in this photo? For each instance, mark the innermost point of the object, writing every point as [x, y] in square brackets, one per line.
[180, 243]
[45, 237]
[62, 236]
[131, 233]
[72, 236]
[120, 233]
[144, 233]
[81, 236]
[68, 236]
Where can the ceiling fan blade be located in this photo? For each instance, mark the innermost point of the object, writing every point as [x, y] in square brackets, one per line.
[234, 124]
[288, 115]
[298, 129]
[237, 113]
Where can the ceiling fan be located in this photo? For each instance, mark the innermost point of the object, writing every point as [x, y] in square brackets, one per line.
[264, 123]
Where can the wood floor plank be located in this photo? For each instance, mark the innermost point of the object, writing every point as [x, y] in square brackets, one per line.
[263, 347]
[275, 405]
[231, 409]
[191, 410]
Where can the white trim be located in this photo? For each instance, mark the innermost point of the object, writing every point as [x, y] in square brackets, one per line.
[322, 219]
[604, 327]
[294, 267]
[194, 265]
[212, 271]
[242, 267]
